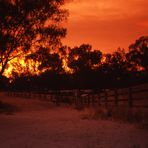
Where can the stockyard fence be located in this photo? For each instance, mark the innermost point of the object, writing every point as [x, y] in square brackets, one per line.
[136, 96]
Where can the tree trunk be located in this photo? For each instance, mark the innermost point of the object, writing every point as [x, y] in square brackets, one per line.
[3, 68]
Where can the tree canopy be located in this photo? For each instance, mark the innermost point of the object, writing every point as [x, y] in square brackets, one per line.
[83, 58]
[29, 25]
[138, 53]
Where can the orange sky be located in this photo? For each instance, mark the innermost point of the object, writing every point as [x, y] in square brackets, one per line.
[106, 24]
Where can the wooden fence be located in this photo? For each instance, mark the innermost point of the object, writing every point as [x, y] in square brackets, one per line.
[136, 96]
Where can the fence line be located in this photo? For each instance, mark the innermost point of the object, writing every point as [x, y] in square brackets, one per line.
[131, 97]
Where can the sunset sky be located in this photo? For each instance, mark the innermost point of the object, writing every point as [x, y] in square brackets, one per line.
[106, 24]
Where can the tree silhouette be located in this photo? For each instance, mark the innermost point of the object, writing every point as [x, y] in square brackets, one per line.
[138, 53]
[83, 58]
[48, 61]
[91, 68]
[118, 62]
[29, 24]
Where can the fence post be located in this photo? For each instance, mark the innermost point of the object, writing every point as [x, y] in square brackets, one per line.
[79, 97]
[130, 98]
[89, 100]
[81, 101]
[58, 97]
[93, 99]
[76, 97]
[99, 99]
[116, 97]
[106, 97]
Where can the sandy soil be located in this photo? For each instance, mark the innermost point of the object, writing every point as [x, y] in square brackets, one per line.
[38, 124]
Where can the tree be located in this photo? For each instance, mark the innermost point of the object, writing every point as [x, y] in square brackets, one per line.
[119, 62]
[113, 67]
[47, 61]
[83, 58]
[138, 53]
[29, 25]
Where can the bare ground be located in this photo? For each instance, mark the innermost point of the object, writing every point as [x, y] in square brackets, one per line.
[37, 124]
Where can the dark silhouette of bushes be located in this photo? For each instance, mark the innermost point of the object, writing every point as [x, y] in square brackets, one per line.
[91, 69]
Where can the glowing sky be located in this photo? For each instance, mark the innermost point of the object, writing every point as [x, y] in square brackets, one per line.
[106, 24]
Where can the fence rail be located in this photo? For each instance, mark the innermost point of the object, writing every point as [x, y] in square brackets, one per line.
[132, 97]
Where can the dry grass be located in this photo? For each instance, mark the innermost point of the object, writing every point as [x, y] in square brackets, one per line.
[135, 146]
[125, 114]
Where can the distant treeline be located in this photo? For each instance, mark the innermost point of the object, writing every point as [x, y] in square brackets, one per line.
[85, 68]
[92, 80]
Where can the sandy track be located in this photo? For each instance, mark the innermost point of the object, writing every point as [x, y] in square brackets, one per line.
[40, 125]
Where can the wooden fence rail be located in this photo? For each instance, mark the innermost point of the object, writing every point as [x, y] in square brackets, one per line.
[131, 97]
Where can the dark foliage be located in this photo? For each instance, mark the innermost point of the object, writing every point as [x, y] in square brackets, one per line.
[4, 83]
[25, 24]
[138, 53]
[119, 69]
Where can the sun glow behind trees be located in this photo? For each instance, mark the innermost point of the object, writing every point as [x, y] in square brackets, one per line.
[22, 66]
[72, 60]
[23, 26]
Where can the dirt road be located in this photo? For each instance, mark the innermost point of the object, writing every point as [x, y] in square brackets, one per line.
[38, 124]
